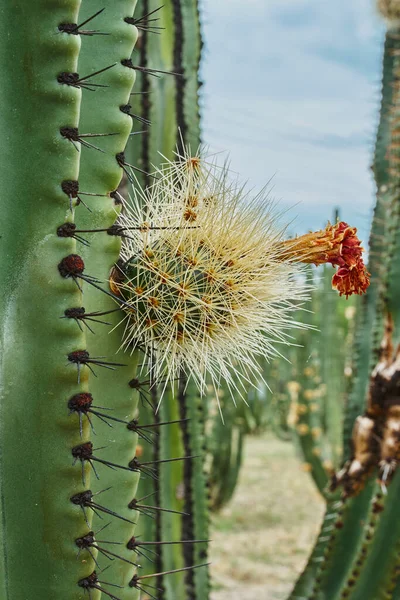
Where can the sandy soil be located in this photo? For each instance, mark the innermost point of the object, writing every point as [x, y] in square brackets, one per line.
[262, 539]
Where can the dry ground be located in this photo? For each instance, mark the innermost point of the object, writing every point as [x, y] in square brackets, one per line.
[262, 539]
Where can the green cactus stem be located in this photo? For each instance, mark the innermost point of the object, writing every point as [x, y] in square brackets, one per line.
[305, 584]
[47, 465]
[308, 408]
[226, 444]
[168, 110]
[38, 366]
[369, 307]
[100, 174]
[334, 326]
[195, 523]
[354, 565]
[171, 494]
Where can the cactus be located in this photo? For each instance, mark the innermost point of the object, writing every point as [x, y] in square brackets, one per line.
[195, 524]
[368, 330]
[46, 398]
[226, 442]
[255, 411]
[335, 316]
[351, 562]
[320, 382]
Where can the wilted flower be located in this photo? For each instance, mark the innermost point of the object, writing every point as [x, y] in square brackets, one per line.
[338, 245]
[208, 283]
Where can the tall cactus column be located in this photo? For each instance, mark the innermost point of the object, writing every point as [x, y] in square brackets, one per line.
[38, 374]
[103, 111]
[360, 557]
[63, 159]
[368, 331]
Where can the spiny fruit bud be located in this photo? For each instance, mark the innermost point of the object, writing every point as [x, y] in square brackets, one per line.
[208, 283]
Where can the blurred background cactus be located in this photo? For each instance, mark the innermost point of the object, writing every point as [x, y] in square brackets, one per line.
[358, 547]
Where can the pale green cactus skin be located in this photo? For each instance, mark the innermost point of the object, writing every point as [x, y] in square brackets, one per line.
[39, 523]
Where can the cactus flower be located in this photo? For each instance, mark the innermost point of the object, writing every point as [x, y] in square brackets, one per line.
[338, 245]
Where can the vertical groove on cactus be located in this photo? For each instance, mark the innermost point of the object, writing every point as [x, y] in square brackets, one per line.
[195, 523]
[142, 103]
[178, 68]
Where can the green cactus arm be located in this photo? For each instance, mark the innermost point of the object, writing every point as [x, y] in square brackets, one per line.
[305, 584]
[332, 357]
[342, 546]
[30, 91]
[356, 567]
[255, 412]
[375, 572]
[308, 426]
[170, 103]
[148, 451]
[368, 331]
[39, 521]
[159, 52]
[385, 565]
[189, 33]
[226, 442]
[309, 405]
[163, 108]
[100, 173]
[380, 531]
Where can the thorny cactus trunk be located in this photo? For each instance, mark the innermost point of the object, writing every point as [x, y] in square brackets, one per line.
[357, 553]
[55, 126]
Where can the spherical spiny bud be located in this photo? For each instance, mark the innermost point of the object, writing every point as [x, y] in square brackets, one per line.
[206, 281]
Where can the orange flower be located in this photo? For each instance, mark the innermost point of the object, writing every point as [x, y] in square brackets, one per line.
[338, 245]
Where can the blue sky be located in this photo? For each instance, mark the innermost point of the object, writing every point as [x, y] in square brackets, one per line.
[291, 90]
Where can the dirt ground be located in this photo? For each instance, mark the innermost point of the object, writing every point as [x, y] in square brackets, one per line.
[260, 542]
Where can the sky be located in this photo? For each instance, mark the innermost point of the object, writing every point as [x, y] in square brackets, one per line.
[292, 90]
